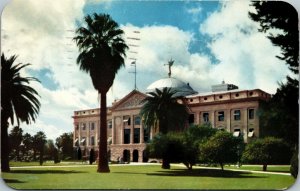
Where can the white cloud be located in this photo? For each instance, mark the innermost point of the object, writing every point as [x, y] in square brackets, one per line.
[246, 56]
[40, 33]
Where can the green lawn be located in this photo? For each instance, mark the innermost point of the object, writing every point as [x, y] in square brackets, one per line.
[271, 168]
[140, 177]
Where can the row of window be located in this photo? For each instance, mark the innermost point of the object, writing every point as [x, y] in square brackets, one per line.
[92, 142]
[237, 132]
[136, 135]
[83, 126]
[221, 96]
[127, 120]
[221, 115]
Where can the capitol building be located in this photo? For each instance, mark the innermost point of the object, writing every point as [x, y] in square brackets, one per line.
[225, 107]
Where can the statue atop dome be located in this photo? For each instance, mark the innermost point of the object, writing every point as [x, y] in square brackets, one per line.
[170, 64]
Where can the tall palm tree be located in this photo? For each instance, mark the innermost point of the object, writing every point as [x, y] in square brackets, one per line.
[162, 110]
[102, 51]
[18, 100]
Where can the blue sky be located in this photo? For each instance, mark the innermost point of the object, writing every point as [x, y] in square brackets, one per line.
[210, 41]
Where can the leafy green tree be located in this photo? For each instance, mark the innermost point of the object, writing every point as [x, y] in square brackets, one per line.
[102, 51]
[39, 141]
[15, 139]
[265, 151]
[18, 101]
[180, 147]
[193, 137]
[162, 110]
[65, 143]
[221, 148]
[168, 146]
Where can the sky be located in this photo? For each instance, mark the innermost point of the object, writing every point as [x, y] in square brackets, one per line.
[210, 41]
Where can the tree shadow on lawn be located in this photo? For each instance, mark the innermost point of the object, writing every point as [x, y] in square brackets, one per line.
[205, 173]
[12, 181]
[46, 171]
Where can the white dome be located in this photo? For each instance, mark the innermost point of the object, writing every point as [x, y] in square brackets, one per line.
[181, 88]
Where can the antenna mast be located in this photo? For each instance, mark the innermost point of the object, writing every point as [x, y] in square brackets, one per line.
[132, 45]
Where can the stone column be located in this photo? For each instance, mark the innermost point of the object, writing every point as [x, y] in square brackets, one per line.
[122, 129]
[141, 133]
[88, 125]
[213, 120]
[140, 155]
[228, 115]
[197, 116]
[131, 129]
[244, 118]
[113, 130]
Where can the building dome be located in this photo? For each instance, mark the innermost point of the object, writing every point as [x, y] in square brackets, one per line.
[181, 88]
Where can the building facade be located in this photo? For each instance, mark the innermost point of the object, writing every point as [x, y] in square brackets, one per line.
[226, 108]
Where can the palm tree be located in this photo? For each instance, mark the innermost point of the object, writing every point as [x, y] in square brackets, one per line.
[102, 51]
[162, 109]
[18, 100]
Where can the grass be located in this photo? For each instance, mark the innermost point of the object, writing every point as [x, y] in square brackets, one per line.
[47, 163]
[270, 168]
[140, 177]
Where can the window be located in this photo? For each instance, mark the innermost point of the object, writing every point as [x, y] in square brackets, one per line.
[236, 132]
[126, 136]
[126, 120]
[146, 135]
[237, 95]
[76, 141]
[92, 126]
[205, 117]
[191, 119]
[83, 141]
[136, 136]
[220, 96]
[77, 127]
[191, 100]
[221, 116]
[237, 115]
[251, 113]
[109, 124]
[93, 140]
[83, 126]
[137, 120]
[251, 132]
[205, 98]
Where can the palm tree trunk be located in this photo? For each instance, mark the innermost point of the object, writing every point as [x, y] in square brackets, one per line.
[4, 144]
[103, 159]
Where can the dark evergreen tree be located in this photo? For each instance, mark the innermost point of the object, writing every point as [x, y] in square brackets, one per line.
[92, 156]
[283, 16]
[280, 116]
[79, 154]
[15, 139]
